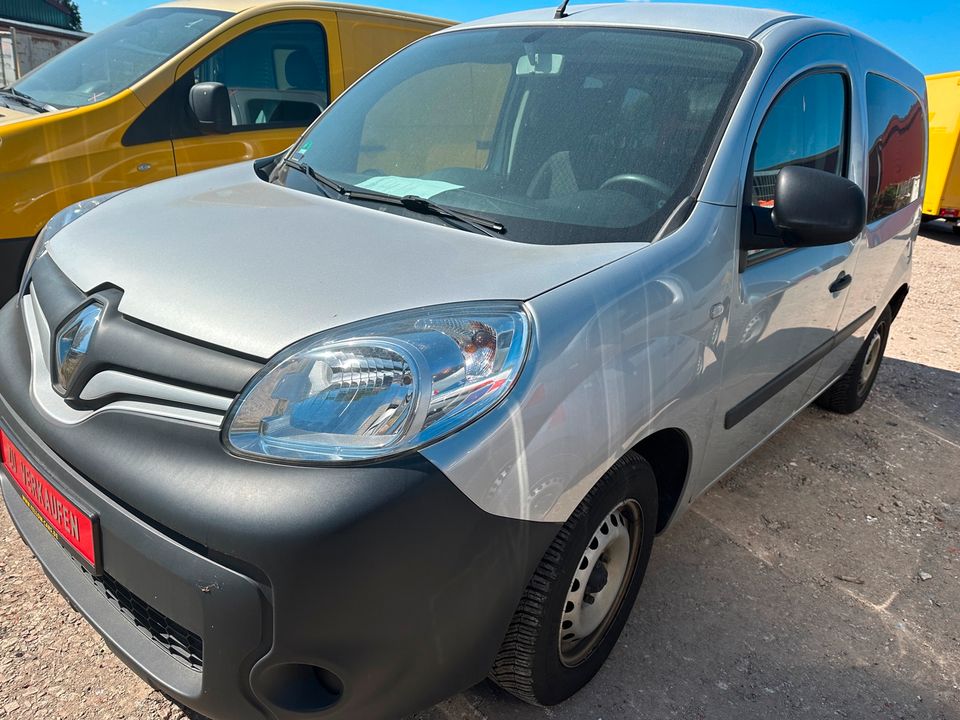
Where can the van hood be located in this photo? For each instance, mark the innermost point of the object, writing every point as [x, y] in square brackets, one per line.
[227, 259]
[13, 113]
[9, 115]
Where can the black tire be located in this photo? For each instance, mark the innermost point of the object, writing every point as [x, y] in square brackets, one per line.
[848, 394]
[956, 228]
[529, 663]
[927, 218]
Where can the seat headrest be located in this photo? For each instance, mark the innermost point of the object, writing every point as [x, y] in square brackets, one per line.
[302, 72]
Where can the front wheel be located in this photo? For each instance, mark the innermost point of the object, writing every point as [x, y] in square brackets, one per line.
[580, 596]
[849, 393]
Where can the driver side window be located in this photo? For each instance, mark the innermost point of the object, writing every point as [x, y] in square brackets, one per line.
[276, 75]
[805, 126]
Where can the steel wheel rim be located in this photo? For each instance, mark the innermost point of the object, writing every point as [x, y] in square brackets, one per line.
[600, 582]
[871, 361]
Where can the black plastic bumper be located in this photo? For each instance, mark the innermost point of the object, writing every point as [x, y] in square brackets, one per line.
[386, 577]
[13, 256]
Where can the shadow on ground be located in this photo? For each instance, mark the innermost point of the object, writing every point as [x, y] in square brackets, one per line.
[941, 232]
[928, 395]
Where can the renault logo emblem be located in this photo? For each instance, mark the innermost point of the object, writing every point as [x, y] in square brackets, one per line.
[73, 342]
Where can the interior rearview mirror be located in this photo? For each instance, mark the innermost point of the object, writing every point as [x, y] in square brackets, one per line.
[537, 63]
[210, 103]
[814, 207]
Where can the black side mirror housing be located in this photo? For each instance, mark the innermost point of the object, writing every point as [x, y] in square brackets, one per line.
[814, 207]
[210, 104]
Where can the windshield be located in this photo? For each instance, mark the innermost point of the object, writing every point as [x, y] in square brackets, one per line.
[115, 58]
[564, 135]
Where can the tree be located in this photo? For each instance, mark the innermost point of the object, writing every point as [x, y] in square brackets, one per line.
[73, 12]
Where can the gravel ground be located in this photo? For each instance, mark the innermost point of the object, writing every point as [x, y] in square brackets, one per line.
[820, 579]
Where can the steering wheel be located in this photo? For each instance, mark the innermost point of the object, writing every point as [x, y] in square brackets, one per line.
[638, 178]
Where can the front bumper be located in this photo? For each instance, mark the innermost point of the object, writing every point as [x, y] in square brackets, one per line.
[13, 256]
[386, 577]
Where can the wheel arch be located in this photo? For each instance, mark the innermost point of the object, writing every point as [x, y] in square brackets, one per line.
[896, 302]
[669, 452]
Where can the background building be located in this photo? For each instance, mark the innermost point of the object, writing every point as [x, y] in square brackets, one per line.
[32, 32]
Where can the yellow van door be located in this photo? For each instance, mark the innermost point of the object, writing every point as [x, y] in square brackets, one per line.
[943, 157]
[281, 70]
[368, 38]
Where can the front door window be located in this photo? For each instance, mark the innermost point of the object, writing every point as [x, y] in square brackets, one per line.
[805, 126]
[277, 75]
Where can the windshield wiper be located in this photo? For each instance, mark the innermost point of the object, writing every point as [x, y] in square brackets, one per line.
[423, 206]
[417, 204]
[429, 207]
[25, 100]
[321, 180]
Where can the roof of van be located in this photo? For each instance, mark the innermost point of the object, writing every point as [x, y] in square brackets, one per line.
[238, 6]
[714, 19]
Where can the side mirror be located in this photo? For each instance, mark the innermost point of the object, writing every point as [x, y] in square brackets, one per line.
[210, 103]
[814, 207]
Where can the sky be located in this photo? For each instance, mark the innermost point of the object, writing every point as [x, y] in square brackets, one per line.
[922, 33]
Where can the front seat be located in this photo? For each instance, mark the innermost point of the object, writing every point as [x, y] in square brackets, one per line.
[302, 75]
[302, 72]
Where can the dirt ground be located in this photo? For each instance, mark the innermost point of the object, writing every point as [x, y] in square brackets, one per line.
[821, 579]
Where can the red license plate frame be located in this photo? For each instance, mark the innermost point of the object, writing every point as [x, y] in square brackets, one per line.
[76, 528]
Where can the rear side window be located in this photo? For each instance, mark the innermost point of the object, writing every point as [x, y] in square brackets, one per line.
[897, 137]
[277, 75]
[804, 126]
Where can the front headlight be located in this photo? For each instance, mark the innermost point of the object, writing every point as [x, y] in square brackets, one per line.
[380, 387]
[57, 223]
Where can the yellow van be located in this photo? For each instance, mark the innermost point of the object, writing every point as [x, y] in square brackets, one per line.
[942, 196]
[121, 108]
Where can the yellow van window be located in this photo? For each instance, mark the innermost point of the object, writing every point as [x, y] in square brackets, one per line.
[113, 59]
[277, 75]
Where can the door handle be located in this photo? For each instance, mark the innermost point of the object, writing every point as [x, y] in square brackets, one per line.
[841, 282]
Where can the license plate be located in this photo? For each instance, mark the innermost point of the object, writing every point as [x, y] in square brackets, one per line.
[76, 529]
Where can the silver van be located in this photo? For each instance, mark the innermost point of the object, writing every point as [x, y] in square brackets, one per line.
[341, 432]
